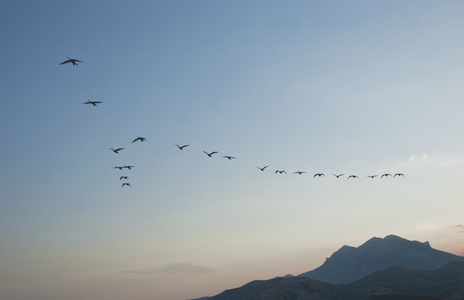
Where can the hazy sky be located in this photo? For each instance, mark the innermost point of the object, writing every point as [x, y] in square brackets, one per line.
[354, 87]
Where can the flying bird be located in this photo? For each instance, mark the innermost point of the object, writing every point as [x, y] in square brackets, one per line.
[385, 175]
[280, 172]
[116, 150]
[120, 168]
[94, 103]
[139, 138]
[229, 157]
[210, 154]
[299, 172]
[181, 147]
[126, 184]
[128, 167]
[71, 60]
[338, 176]
[399, 174]
[352, 176]
[372, 176]
[318, 175]
[124, 177]
[262, 169]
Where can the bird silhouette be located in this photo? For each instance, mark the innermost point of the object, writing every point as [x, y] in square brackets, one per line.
[263, 168]
[299, 172]
[399, 174]
[318, 175]
[128, 167]
[139, 138]
[71, 60]
[126, 184]
[280, 172]
[181, 147]
[385, 175]
[94, 103]
[338, 176]
[229, 157]
[120, 168]
[352, 176]
[210, 154]
[123, 177]
[116, 150]
[372, 176]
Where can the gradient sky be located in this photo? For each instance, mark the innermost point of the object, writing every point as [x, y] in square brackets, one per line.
[353, 87]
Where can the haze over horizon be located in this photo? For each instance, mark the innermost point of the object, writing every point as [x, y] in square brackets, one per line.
[353, 87]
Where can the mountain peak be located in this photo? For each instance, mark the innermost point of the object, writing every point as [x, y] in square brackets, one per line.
[349, 263]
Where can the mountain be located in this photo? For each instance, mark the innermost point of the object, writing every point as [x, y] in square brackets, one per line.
[287, 288]
[395, 283]
[349, 264]
[398, 296]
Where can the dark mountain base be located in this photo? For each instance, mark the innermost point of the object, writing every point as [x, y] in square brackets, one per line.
[396, 283]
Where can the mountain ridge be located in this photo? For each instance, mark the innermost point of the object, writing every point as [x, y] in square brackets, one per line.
[445, 283]
[389, 268]
[349, 264]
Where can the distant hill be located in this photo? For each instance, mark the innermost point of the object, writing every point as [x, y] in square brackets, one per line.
[391, 268]
[446, 282]
[398, 296]
[349, 264]
[287, 288]
[395, 283]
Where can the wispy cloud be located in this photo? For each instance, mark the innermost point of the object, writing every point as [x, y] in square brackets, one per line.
[436, 160]
[179, 268]
[460, 228]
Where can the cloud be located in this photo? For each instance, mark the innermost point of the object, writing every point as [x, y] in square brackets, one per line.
[179, 268]
[460, 228]
[436, 160]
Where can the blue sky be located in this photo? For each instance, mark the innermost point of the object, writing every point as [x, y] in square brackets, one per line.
[353, 87]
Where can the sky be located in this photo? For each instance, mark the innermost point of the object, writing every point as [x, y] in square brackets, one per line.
[354, 87]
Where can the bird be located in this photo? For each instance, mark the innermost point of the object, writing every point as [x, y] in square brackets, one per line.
[262, 169]
[385, 175]
[123, 177]
[128, 167]
[338, 176]
[139, 138]
[229, 157]
[94, 103]
[280, 172]
[299, 172]
[116, 150]
[126, 184]
[210, 154]
[120, 168]
[181, 147]
[318, 175]
[71, 60]
[399, 174]
[372, 176]
[352, 176]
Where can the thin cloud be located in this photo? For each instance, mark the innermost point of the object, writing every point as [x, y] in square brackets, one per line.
[179, 268]
[435, 160]
[460, 228]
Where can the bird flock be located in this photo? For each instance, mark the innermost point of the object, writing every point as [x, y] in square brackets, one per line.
[210, 154]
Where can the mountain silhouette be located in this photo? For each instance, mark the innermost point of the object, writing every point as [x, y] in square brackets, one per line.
[391, 268]
[395, 283]
[349, 264]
